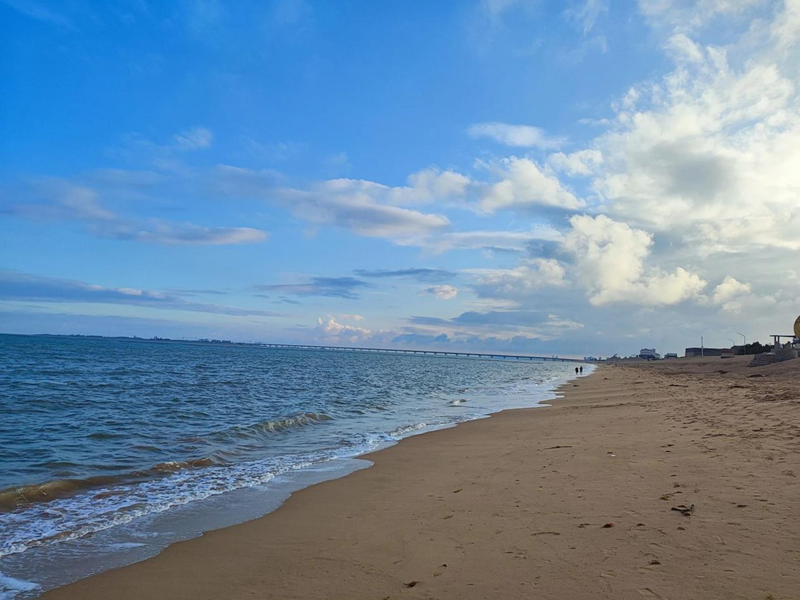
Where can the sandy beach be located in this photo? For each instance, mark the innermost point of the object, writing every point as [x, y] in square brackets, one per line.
[676, 479]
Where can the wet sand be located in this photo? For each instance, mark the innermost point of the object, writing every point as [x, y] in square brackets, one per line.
[568, 502]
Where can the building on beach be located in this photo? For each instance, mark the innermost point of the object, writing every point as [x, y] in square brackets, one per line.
[692, 352]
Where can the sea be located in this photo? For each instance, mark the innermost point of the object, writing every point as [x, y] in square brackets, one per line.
[111, 449]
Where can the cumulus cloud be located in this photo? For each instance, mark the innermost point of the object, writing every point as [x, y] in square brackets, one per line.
[729, 289]
[786, 28]
[610, 260]
[443, 292]
[734, 296]
[522, 136]
[530, 276]
[332, 331]
[19, 286]
[707, 154]
[582, 162]
[430, 184]
[524, 185]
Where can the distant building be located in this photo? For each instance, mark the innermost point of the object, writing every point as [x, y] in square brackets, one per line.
[649, 354]
[670, 355]
[691, 352]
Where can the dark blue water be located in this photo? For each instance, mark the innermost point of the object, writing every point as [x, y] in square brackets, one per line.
[103, 441]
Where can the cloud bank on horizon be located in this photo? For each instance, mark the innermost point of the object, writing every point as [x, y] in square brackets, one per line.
[576, 178]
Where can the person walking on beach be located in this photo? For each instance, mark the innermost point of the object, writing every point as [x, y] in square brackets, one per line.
[576, 370]
[581, 369]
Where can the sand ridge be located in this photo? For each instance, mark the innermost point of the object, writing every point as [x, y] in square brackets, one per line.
[568, 502]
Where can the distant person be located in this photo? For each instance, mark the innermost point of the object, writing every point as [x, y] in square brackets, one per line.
[581, 369]
[576, 370]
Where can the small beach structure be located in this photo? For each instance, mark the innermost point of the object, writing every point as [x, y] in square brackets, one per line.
[781, 350]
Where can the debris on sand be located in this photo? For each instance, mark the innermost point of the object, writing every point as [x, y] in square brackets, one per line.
[686, 511]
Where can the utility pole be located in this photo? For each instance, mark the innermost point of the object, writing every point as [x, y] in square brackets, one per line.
[702, 347]
[745, 341]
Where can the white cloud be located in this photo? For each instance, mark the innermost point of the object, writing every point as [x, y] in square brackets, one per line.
[530, 276]
[156, 231]
[734, 296]
[586, 13]
[429, 185]
[581, 163]
[708, 154]
[338, 162]
[364, 207]
[17, 286]
[352, 204]
[610, 260]
[329, 329]
[495, 9]
[786, 28]
[34, 10]
[55, 199]
[443, 292]
[511, 241]
[687, 15]
[196, 138]
[522, 136]
[345, 317]
[683, 48]
[729, 289]
[524, 185]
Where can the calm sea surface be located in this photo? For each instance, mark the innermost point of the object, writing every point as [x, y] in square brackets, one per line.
[112, 449]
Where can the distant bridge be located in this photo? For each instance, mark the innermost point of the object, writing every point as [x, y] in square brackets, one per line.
[429, 352]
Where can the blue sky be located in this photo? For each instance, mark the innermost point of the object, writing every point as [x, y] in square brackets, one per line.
[574, 177]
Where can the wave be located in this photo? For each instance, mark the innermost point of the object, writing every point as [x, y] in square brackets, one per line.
[277, 425]
[85, 514]
[404, 430]
[15, 497]
[10, 587]
[19, 496]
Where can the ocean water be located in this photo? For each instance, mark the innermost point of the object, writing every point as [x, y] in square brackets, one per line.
[112, 449]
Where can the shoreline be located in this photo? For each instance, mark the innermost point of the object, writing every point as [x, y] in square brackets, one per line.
[43, 569]
[517, 504]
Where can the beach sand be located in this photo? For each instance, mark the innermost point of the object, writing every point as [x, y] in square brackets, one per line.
[567, 502]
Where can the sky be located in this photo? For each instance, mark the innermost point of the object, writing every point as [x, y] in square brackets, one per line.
[572, 177]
